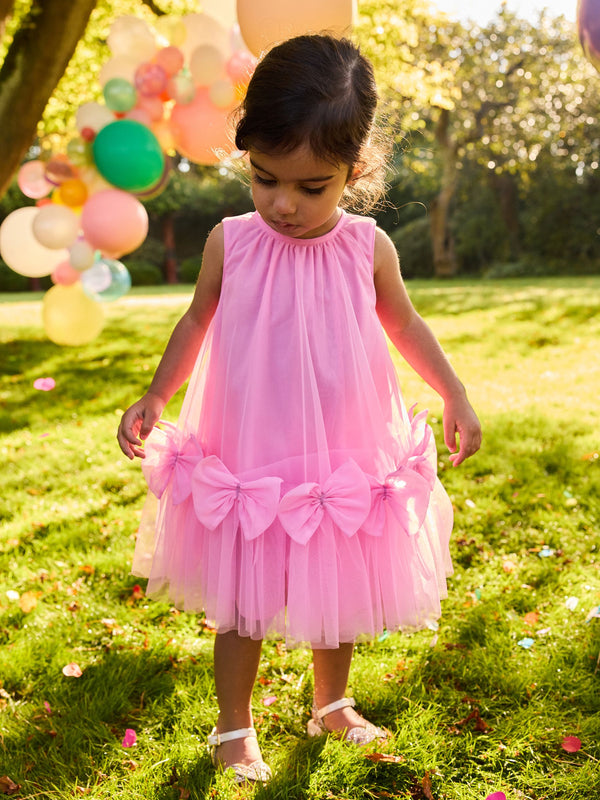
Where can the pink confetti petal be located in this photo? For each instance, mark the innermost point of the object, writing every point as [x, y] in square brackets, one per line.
[72, 671]
[44, 384]
[268, 701]
[496, 796]
[47, 707]
[130, 738]
[571, 744]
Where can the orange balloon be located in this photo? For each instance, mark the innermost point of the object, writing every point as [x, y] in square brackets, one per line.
[199, 128]
[264, 23]
[73, 192]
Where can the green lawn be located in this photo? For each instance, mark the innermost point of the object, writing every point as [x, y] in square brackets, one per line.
[473, 709]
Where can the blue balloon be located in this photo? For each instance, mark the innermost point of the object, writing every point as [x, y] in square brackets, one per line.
[106, 280]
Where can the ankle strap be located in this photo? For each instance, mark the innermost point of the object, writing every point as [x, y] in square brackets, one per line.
[215, 738]
[335, 706]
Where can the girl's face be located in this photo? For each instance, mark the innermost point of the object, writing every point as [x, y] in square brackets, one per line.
[295, 193]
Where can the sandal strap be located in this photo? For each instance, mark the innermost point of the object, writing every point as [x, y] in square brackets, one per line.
[215, 739]
[335, 706]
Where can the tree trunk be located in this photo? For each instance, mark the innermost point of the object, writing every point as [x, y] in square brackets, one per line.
[34, 64]
[444, 256]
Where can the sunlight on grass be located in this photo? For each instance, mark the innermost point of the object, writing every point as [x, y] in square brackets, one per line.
[480, 705]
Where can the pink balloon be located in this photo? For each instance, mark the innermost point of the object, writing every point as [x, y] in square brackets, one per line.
[170, 59]
[150, 79]
[240, 67]
[153, 106]
[588, 22]
[114, 222]
[65, 274]
[199, 128]
[32, 180]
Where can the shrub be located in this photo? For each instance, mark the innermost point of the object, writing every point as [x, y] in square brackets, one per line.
[144, 273]
[189, 270]
[413, 243]
[11, 281]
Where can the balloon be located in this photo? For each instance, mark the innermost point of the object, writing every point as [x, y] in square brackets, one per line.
[153, 106]
[32, 180]
[55, 226]
[59, 169]
[181, 88]
[170, 59]
[118, 67]
[240, 67]
[128, 155]
[223, 11]
[114, 222]
[21, 250]
[222, 94]
[93, 180]
[70, 317]
[263, 23]
[73, 193]
[65, 274]
[171, 30]
[588, 23]
[81, 255]
[78, 149]
[140, 115]
[131, 36]
[119, 94]
[106, 280]
[207, 64]
[162, 131]
[158, 187]
[93, 116]
[199, 128]
[202, 29]
[150, 79]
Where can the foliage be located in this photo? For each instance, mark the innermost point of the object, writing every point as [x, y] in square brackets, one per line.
[471, 710]
[413, 244]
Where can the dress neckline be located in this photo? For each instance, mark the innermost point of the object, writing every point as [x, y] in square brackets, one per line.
[302, 242]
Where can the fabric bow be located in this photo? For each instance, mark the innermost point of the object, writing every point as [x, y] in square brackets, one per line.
[423, 456]
[344, 497]
[216, 491]
[404, 494]
[170, 457]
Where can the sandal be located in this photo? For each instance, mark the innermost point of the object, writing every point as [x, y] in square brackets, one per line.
[359, 735]
[256, 772]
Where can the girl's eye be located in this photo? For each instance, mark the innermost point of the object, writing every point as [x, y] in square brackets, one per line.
[313, 189]
[263, 181]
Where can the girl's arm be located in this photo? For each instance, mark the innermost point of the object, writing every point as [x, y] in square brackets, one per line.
[181, 352]
[416, 343]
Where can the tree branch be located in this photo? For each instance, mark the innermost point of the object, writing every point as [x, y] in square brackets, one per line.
[153, 7]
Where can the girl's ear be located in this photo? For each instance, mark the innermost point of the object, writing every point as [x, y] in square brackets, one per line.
[353, 175]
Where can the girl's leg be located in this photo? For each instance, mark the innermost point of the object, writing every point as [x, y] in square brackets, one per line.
[331, 671]
[236, 660]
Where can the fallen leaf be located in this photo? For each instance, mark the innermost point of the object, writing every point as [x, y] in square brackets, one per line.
[571, 744]
[386, 758]
[130, 738]
[426, 786]
[72, 670]
[8, 786]
[27, 602]
[531, 618]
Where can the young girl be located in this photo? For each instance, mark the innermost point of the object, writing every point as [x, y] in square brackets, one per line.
[298, 497]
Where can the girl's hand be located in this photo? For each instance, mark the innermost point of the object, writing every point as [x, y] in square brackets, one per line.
[461, 419]
[137, 423]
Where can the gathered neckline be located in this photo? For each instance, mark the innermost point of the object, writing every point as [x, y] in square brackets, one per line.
[302, 242]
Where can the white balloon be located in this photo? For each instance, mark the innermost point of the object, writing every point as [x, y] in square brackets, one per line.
[55, 226]
[21, 250]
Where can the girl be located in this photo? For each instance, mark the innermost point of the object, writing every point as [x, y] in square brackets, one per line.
[298, 497]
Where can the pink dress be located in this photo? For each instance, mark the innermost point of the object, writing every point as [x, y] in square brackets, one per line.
[297, 496]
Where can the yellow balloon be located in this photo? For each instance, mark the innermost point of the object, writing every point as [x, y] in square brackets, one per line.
[264, 23]
[171, 30]
[70, 316]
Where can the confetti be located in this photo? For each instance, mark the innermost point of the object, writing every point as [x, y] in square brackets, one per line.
[44, 384]
[47, 707]
[527, 642]
[595, 612]
[571, 744]
[268, 701]
[12, 595]
[546, 552]
[571, 603]
[130, 738]
[496, 796]
[72, 670]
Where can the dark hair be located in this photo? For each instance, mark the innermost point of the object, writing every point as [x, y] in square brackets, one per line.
[320, 91]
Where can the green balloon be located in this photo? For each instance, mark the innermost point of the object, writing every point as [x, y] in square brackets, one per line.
[128, 155]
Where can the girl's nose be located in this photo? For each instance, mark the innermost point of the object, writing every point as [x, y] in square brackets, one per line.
[284, 202]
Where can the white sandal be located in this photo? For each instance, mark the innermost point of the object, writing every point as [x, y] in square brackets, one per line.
[360, 735]
[256, 772]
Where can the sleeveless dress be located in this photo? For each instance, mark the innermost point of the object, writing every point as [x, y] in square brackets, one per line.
[297, 496]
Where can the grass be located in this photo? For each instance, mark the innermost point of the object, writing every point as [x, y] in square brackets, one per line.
[472, 710]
